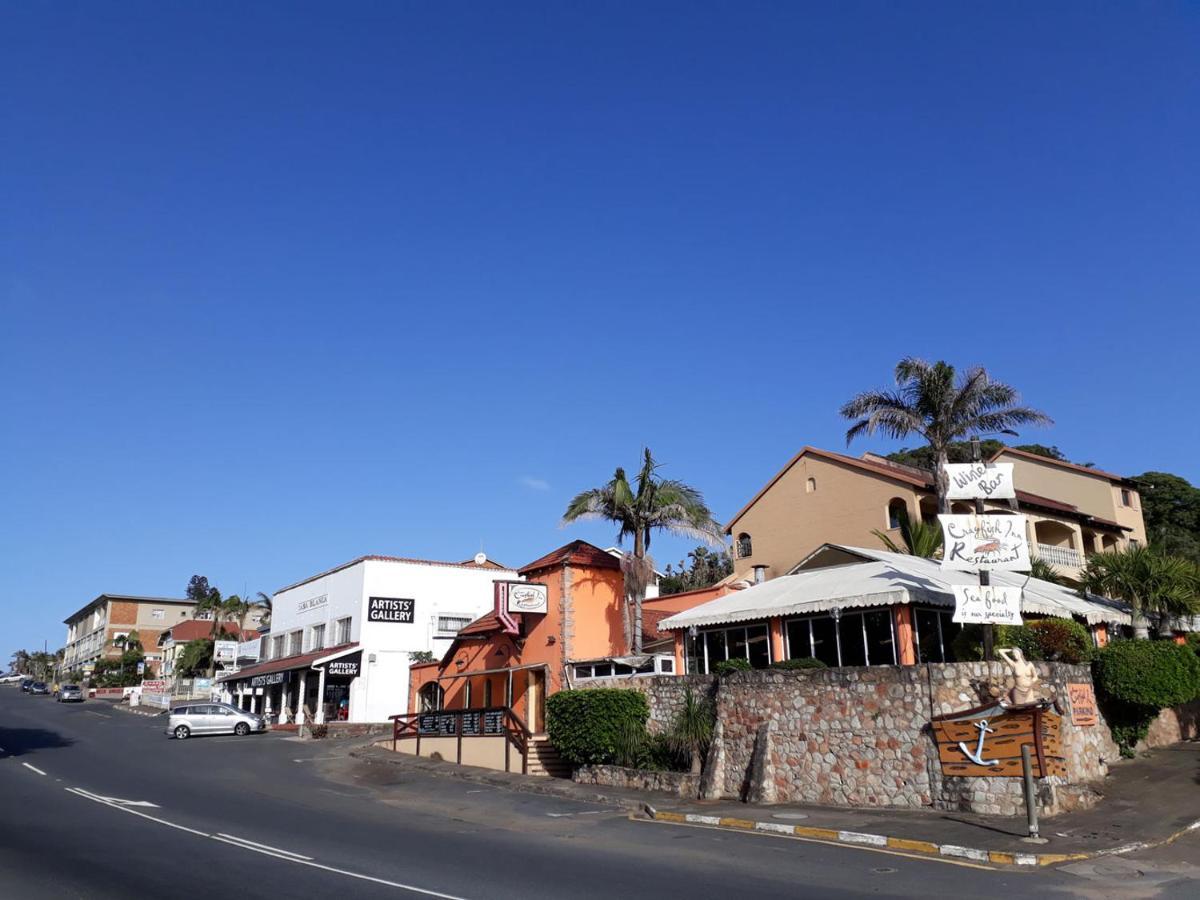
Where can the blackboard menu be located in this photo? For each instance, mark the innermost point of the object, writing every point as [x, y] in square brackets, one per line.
[470, 723]
[437, 723]
[493, 721]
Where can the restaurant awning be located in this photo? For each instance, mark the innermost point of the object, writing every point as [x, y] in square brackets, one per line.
[287, 663]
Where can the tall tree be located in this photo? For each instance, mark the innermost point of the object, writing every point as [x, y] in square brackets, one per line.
[933, 402]
[640, 508]
[702, 569]
[1171, 508]
[1153, 583]
[268, 604]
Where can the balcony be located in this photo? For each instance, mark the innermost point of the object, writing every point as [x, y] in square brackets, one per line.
[1060, 557]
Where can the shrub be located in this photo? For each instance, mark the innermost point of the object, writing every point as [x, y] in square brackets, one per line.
[968, 643]
[729, 666]
[805, 662]
[1193, 641]
[1135, 679]
[593, 726]
[1055, 640]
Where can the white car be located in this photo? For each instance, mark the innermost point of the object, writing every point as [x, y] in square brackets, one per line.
[212, 718]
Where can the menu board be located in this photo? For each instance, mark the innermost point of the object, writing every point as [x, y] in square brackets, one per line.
[493, 721]
[470, 723]
[437, 723]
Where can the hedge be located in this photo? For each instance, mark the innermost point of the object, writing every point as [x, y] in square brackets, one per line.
[729, 666]
[805, 662]
[1135, 679]
[1054, 640]
[590, 727]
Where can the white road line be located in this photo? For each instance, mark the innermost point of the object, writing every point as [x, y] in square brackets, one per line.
[134, 812]
[33, 768]
[242, 840]
[101, 715]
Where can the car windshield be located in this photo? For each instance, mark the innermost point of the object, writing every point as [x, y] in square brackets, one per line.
[70, 687]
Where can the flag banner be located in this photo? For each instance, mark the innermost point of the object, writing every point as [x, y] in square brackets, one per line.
[997, 543]
[987, 605]
[982, 481]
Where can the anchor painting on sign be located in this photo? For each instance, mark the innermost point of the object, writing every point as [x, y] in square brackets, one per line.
[985, 742]
[993, 542]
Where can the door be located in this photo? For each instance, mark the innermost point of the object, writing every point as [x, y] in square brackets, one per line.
[536, 699]
[204, 718]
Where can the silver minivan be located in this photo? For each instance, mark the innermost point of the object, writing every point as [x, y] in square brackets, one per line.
[212, 718]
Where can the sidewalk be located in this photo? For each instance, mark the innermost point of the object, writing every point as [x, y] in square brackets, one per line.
[1148, 801]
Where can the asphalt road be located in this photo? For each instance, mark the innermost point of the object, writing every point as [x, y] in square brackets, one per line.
[96, 802]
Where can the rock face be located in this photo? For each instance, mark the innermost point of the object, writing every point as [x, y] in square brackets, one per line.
[861, 736]
[681, 784]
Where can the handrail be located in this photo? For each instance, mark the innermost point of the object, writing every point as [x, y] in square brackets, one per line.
[512, 728]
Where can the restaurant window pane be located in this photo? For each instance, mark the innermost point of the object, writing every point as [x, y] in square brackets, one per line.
[880, 648]
[759, 643]
[824, 641]
[950, 630]
[693, 665]
[850, 631]
[714, 641]
[736, 639]
[798, 644]
[929, 646]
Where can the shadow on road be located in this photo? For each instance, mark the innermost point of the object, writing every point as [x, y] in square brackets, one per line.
[19, 741]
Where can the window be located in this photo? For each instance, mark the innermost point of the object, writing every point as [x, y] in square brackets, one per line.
[318, 637]
[467, 694]
[452, 624]
[750, 643]
[744, 546]
[897, 511]
[1126, 497]
[1134, 542]
[343, 630]
[851, 639]
[666, 665]
[277, 647]
[935, 632]
[430, 697]
[810, 485]
[157, 613]
[487, 693]
[583, 671]
[295, 643]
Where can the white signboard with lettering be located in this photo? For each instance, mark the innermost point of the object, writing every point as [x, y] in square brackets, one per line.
[225, 651]
[985, 481]
[997, 543]
[987, 605]
[527, 598]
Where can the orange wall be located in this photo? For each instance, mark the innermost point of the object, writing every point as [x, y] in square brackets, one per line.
[679, 602]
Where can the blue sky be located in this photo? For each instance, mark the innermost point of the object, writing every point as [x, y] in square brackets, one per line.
[283, 284]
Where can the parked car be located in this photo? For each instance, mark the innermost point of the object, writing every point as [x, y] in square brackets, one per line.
[39, 687]
[212, 718]
[26, 684]
[70, 693]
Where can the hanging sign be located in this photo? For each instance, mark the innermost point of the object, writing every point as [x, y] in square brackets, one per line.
[987, 605]
[346, 667]
[997, 543]
[985, 481]
[527, 598]
[390, 609]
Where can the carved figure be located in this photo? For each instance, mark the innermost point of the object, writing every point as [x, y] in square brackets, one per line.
[1025, 676]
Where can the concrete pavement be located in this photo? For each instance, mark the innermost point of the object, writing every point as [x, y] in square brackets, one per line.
[271, 816]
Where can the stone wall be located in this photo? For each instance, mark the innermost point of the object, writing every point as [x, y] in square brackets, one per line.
[681, 784]
[664, 693]
[1173, 725]
[335, 730]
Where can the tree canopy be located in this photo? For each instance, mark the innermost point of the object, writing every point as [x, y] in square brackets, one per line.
[1171, 509]
[703, 568]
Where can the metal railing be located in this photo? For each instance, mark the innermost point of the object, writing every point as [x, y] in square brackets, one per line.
[1059, 556]
[464, 724]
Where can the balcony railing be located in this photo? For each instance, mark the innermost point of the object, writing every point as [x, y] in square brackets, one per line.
[1066, 557]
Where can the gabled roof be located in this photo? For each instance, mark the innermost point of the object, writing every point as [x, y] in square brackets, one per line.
[469, 564]
[879, 578]
[576, 553]
[1061, 463]
[128, 598]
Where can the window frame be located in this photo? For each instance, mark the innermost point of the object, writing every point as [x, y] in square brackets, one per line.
[343, 626]
[744, 545]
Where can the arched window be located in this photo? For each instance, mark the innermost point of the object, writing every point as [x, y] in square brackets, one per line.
[744, 547]
[897, 510]
[810, 485]
[430, 697]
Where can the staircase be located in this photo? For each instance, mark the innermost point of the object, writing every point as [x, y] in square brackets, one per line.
[544, 759]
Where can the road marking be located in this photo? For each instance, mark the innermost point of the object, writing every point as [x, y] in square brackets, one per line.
[317, 759]
[119, 802]
[33, 768]
[245, 841]
[91, 712]
[285, 855]
[590, 812]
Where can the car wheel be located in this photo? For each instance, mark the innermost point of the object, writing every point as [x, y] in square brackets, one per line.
[241, 729]
[182, 732]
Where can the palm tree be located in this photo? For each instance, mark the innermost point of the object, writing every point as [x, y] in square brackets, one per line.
[919, 539]
[1153, 583]
[211, 604]
[20, 661]
[1040, 569]
[930, 401]
[649, 503]
[268, 603]
[235, 609]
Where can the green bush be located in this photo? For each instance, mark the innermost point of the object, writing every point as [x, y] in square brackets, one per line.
[594, 726]
[968, 643]
[729, 666]
[1157, 674]
[805, 662]
[1054, 640]
[1193, 641]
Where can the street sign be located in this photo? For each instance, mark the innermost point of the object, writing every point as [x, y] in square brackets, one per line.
[987, 604]
[984, 481]
[971, 543]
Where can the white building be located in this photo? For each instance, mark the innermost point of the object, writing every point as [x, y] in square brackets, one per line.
[341, 642]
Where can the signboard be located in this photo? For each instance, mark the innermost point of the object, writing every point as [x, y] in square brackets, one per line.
[154, 687]
[141, 667]
[312, 603]
[250, 649]
[971, 543]
[345, 667]
[984, 481]
[437, 723]
[390, 609]
[990, 605]
[202, 684]
[985, 742]
[1082, 697]
[225, 651]
[266, 680]
[493, 721]
[524, 597]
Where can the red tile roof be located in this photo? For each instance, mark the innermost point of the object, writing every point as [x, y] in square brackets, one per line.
[485, 624]
[1061, 463]
[576, 553]
[195, 629]
[299, 661]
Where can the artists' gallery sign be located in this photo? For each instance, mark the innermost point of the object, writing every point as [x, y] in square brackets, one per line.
[390, 609]
[987, 604]
[971, 543]
[985, 481]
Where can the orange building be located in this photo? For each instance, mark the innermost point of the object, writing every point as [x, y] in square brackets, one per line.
[514, 659]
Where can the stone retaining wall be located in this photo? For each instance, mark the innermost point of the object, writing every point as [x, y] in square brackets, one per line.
[1173, 725]
[334, 730]
[664, 693]
[681, 784]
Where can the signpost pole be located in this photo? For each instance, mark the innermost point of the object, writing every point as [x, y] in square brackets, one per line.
[985, 577]
[1031, 810]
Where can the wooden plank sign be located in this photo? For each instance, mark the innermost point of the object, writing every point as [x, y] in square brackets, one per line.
[1083, 704]
[985, 742]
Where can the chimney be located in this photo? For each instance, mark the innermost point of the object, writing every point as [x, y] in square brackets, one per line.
[760, 574]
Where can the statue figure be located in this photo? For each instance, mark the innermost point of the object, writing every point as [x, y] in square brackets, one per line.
[1025, 676]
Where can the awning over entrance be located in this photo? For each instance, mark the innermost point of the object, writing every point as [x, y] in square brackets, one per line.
[289, 663]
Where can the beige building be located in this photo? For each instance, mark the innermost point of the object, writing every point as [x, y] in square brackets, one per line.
[92, 629]
[823, 497]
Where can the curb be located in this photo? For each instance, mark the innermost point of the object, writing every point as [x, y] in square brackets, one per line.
[139, 712]
[952, 851]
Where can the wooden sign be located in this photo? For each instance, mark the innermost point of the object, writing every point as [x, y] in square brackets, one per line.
[987, 481]
[994, 542]
[1083, 705]
[985, 742]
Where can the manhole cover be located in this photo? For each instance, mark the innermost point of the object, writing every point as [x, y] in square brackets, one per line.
[792, 816]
